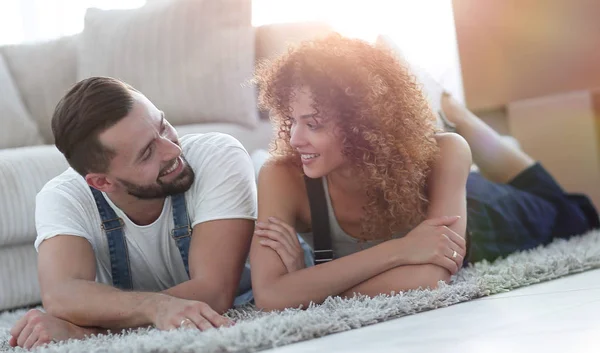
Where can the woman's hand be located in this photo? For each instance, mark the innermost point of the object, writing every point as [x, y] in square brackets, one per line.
[282, 238]
[432, 242]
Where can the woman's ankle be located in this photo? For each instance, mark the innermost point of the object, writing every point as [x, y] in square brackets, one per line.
[452, 113]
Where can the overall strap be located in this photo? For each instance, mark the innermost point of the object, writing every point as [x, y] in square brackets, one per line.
[320, 220]
[117, 246]
[182, 232]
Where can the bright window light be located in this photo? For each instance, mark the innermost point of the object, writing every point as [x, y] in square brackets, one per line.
[38, 20]
[422, 29]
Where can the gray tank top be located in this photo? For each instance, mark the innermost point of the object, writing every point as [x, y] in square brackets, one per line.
[342, 243]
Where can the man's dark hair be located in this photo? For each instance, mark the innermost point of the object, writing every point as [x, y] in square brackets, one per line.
[90, 107]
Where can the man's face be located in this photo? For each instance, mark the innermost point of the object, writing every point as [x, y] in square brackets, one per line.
[148, 163]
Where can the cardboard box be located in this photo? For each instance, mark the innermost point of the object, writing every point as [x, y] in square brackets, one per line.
[519, 49]
[562, 132]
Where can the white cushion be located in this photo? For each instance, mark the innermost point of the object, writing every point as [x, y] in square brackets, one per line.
[23, 172]
[43, 73]
[252, 139]
[18, 275]
[193, 59]
[273, 40]
[259, 157]
[18, 129]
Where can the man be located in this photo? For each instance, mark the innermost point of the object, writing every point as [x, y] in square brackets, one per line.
[144, 228]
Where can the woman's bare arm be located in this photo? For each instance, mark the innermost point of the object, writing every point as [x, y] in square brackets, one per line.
[448, 179]
[369, 271]
[400, 279]
[447, 196]
[275, 288]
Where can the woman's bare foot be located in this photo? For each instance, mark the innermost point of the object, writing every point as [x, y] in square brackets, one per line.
[497, 158]
[452, 113]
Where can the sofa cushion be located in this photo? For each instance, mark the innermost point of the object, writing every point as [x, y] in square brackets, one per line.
[273, 40]
[18, 129]
[259, 157]
[252, 139]
[23, 172]
[43, 73]
[18, 275]
[192, 59]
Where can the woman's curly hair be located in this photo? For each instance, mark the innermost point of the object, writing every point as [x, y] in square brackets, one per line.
[386, 124]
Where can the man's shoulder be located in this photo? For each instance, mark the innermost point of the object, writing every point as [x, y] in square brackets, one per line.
[215, 157]
[68, 181]
[204, 151]
[192, 143]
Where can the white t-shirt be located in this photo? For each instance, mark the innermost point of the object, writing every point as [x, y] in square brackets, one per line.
[224, 188]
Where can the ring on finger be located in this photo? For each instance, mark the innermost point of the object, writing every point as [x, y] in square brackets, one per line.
[454, 254]
[185, 321]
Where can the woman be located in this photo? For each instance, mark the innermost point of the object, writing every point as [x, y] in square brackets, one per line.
[388, 200]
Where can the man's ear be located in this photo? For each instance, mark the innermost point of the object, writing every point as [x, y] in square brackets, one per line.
[101, 182]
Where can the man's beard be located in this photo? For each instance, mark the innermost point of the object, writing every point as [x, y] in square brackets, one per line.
[160, 190]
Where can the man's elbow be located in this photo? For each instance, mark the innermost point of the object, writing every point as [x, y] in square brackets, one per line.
[55, 304]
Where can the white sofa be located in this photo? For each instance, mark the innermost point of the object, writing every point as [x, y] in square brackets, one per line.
[188, 57]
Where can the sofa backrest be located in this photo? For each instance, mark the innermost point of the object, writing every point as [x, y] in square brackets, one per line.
[42, 72]
[196, 73]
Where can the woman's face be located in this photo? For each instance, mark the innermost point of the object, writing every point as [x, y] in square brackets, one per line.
[316, 138]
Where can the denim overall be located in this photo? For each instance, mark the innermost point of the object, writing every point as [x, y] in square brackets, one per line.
[181, 234]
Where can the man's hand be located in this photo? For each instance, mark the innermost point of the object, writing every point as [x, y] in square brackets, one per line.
[172, 313]
[37, 328]
[282, 238]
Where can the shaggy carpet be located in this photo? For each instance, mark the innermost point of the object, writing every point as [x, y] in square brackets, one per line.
[256, 331]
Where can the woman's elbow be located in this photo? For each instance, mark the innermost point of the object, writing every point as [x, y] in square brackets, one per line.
[433, 274]
[224, 303]
[264, 300]
[271, 298]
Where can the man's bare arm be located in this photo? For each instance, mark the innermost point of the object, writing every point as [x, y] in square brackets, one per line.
[67, 272]
[217, 254]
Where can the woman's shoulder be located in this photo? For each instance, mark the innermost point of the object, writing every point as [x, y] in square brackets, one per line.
[281, 176]
[281, 187]
[281, 169]
[453, 148]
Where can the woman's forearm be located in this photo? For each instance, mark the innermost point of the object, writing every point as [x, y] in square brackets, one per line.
[315, 284]
[400, 279]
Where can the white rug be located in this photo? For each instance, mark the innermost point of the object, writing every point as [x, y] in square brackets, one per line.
[257, 331]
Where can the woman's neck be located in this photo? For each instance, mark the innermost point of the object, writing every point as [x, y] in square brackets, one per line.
[345, 180]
